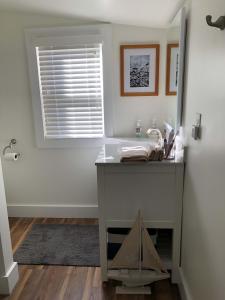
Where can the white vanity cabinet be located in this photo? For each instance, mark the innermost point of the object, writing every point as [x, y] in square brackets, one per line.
[155, 188]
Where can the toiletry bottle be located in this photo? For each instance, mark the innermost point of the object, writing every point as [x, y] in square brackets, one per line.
[154, 123]
[138, 130]
[155, 134]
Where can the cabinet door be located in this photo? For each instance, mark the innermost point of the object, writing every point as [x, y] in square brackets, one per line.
[148, 188]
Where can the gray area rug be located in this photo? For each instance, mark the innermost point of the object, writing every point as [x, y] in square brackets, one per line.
[60, 244]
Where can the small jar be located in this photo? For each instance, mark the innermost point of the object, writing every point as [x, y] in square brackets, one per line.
[138, 130]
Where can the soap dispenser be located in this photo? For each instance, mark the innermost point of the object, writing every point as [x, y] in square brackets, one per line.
[138, 129]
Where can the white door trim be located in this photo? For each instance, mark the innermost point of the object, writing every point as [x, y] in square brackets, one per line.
[8, 268]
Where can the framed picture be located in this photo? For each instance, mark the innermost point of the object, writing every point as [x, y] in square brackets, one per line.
[139, 70]
[172, 66]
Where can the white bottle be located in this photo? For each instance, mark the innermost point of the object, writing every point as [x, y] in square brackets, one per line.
[155, 132]
[138, 129]
[154, 123]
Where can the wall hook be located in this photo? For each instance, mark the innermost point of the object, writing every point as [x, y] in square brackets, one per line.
[220, 22]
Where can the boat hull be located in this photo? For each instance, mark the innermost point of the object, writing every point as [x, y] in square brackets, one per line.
[135, 278]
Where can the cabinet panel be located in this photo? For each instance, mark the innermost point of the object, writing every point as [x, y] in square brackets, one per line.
[152, 192]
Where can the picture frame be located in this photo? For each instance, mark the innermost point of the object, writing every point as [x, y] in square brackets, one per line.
[172, 68]
[139, 70]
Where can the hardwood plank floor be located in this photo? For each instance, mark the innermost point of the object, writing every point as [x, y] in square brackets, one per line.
[69, 283]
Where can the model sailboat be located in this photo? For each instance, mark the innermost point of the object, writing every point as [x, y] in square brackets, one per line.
[137, 262]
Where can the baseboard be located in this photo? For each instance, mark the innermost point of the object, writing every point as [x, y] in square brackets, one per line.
[8, 282]
[183, 287]
[52, 211]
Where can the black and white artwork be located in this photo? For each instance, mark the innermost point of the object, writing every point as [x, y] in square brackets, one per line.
[139, 70]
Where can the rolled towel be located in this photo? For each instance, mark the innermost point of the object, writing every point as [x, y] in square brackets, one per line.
[152, 155]
[161, 155]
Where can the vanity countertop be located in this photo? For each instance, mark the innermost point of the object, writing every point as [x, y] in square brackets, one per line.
[111, 153]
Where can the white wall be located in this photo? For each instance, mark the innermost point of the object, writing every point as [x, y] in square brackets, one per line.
[62, 176]
[203, 248]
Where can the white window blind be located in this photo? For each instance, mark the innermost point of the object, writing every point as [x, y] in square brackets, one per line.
[71, 90]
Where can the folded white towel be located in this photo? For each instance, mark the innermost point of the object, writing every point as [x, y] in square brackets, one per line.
[135, 151]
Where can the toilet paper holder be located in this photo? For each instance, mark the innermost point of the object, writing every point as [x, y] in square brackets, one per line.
[10, 146]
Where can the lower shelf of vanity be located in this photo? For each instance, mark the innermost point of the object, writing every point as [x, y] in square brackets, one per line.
[162, 239]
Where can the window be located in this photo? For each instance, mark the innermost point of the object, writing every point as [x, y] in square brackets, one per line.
[70, 82]
[71, 91]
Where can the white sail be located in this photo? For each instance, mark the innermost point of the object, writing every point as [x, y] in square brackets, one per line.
[128, 255]
[151, 259]
[137, 250]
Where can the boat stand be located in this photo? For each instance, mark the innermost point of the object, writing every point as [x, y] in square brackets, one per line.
[142, 290]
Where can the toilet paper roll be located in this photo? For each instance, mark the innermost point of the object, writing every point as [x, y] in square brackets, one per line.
[11, 156]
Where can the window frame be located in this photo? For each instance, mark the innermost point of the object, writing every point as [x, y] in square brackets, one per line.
[98, 33]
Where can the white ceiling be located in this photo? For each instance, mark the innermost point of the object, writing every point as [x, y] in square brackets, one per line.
[153, 13]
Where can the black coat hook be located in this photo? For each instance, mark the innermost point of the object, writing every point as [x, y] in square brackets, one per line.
[220, 22]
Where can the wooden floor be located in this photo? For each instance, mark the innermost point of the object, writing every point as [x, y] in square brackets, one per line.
[69, 283]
